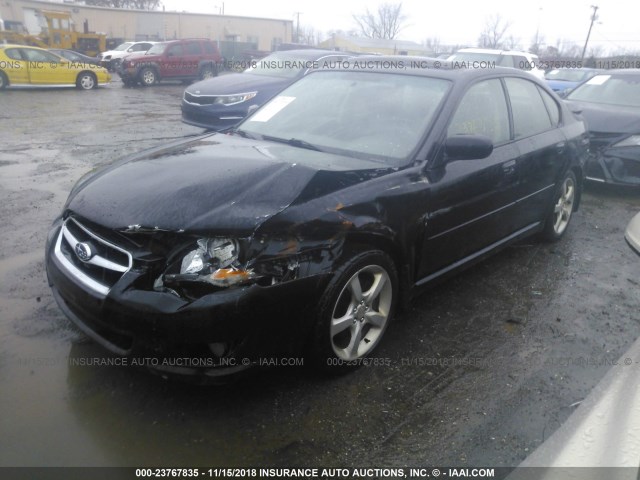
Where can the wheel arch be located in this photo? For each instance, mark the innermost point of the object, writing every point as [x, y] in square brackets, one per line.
[151, 66]
[357, 242]
[6, 79]
[87, 72]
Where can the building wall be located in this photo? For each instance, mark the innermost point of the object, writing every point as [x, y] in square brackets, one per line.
[158, 25]
[345, 44]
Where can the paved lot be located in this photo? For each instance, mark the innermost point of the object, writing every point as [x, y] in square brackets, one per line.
[479, 371]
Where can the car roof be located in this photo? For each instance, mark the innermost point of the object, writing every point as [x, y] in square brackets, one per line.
[428, 67]
[493, 50]
[310, 53]
[15, 45]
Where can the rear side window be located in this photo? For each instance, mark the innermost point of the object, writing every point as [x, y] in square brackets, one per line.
[13, 53]
[482, 111]
[552, 107]
[192, 48]
[522, 63]
[507, 61]
[209, 48]
[530, 115]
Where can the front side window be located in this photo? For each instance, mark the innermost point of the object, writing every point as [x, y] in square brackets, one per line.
[530, 115]
[175, 51]
[157, 49]
[40, 56]
[482, 111]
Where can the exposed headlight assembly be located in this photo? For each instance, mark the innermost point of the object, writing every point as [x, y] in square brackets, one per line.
[214, 261]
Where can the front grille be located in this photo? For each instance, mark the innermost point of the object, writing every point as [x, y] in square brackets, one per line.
[199, 99]
[93, 261]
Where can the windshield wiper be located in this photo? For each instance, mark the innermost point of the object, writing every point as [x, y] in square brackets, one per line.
[243, 134]
[295, 142]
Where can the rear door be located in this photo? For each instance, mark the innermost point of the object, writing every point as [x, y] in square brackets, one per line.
[471, 204]
[541, 146]
[45, 68]
[172, 61]
[193, 55]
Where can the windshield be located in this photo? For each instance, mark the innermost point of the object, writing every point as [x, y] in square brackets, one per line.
[156, 49]
[282, 65]
[623, 90]
[568, 75]
[123, 46]
[375, 116]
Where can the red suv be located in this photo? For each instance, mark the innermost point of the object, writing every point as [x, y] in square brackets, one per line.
[187, 60]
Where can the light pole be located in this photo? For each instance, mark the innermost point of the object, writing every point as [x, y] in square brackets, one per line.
[594, 17]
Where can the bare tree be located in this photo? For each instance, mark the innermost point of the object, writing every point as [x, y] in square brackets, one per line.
[385, 23]
[433, 44]
[132, 4]
[563, 49]
[536, 43]
[309, 35]
[511, 43]
[494, 32]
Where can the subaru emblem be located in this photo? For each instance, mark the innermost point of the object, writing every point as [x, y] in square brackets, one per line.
[83, 251]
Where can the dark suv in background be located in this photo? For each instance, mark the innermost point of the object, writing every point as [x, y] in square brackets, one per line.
[186, 60]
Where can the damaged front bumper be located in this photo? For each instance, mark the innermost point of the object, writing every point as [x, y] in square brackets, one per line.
[620, 166]
[216, 334]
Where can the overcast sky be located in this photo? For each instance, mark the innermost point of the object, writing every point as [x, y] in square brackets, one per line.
[456, 22]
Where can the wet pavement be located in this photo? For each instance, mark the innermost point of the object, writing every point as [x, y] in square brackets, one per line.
[478, 371]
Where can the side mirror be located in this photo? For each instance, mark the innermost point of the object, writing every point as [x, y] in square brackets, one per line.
[467, 147]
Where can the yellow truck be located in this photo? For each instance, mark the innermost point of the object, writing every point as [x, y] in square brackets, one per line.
[59, 32]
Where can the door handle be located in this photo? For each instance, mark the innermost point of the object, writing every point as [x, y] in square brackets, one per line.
[509, 168]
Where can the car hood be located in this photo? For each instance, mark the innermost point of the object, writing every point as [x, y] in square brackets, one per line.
[603, 118]
[220, 182]
[117, 53]
[236, 83]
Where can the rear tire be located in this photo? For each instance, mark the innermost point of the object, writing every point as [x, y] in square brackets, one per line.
[562, 209]
[207, 71]
[354, 312]
[4, 82]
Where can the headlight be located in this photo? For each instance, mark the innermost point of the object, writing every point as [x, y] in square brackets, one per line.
[632, 141]
[234, 99]
[211, 254]
[214, 261]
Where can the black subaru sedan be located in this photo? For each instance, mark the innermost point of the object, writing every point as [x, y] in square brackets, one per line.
[304, 229]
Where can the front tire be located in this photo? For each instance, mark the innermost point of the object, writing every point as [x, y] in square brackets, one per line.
[3, 81]
[86, 81]
[354, 311]
[562, 210]
[148, 77]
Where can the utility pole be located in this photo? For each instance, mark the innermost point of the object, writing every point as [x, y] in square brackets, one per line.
[594, 17]
[297, 27]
